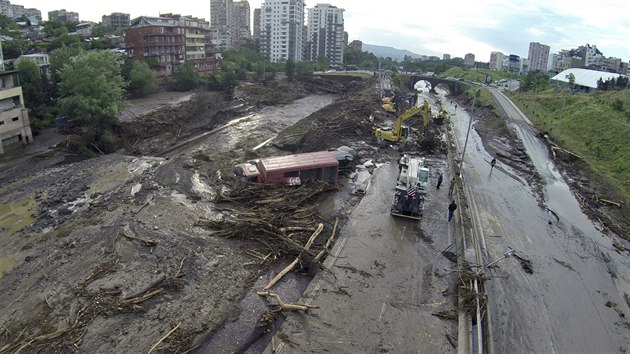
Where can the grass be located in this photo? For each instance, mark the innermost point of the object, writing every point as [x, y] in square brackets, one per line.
[14, 216]
[362, 75]
[595, 126]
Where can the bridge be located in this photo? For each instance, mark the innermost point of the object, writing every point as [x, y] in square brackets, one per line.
[454, 86]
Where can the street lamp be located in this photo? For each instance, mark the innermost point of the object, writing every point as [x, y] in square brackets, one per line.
[461, 162]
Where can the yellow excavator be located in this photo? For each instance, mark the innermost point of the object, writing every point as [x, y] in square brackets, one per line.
[400, 132]
[388, 105]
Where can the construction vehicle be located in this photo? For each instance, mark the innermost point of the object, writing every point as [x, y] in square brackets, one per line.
[399, 132]
[411, 187]
[388, 105]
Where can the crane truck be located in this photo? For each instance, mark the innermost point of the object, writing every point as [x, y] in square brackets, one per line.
[399, 132]
[411, 187]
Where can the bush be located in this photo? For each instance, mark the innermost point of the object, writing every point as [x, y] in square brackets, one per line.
[617, 105]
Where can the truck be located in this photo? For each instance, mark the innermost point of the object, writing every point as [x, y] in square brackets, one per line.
[411, 187]
[399, 132]
[297, 169]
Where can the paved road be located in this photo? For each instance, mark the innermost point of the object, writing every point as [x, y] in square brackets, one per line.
[562, 307]
[381, 287]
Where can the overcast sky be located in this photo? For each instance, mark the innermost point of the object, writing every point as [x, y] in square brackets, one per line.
[430, 27]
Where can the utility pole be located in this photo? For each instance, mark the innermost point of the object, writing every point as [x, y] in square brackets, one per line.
[461, 162]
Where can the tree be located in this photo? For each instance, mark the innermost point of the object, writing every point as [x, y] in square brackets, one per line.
[185, 78]
[141, 79]
[60, 57]
[535, 80]
[92, 86]
[571, 78]
[32, 83]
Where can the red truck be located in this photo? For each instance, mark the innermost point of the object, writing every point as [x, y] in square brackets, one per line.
[295, 169]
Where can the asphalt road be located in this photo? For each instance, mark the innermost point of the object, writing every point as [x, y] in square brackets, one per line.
[574, 299]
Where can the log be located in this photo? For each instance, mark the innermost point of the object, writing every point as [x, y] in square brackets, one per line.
[284, 306]
[163, 338]
[290, 267]
[329, 242]
[618, 205]
[148, 243]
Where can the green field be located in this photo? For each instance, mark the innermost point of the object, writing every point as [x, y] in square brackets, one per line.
[595, 126]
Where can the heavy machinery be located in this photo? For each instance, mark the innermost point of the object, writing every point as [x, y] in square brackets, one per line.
[399, 132]
[388, 105]
[411, 187]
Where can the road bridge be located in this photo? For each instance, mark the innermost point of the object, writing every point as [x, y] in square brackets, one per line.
[454, 86]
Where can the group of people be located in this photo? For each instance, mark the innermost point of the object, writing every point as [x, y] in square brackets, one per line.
[453, 206]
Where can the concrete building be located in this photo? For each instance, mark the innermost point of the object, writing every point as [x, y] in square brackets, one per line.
[281, 30]
[356, 45]
[15, 128]
[63, 16]
[325, 34]
[496, 61]
[256, 24]
[220, 23]
[85, 28]
[446, 57]
[41, 59]
[469, 60]
[117, 21]
[158, 40]
[240, 23]
[198, 48]
[171, 40]
[538, 56]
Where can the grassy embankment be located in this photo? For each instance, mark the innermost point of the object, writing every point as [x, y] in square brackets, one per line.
[595, 126]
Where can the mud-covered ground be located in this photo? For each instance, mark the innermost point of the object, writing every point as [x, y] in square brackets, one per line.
[106, 254]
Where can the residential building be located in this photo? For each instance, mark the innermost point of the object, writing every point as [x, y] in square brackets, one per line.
[4, 7]
[117, 21]
[469, 59]
[41, 59]
[325, 34]
[63, 16]
[85, 28]
[157, 40]
[16, 11]
[538, 56]
[446, 57]
[356, 45]
[15, 128]
[220, 15]
[256, 24]
[198, 49]
[240, 23]
[281, 30]
[496, 61]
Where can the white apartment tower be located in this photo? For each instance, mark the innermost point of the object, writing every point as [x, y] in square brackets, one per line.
[220, 23]
[538, 56]
[325, 34]
[281, 30]
[496, 61]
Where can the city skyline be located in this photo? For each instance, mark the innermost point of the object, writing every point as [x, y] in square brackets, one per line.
[447, 27]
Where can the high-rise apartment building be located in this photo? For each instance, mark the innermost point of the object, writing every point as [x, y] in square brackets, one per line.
[63, 16]
[325, 34]
[446, 57]
[117, 21]
[281, 30]
[220, 23]
[496, 61]
[538, 56]
[240, 27]
[469, 59]
[256, 24]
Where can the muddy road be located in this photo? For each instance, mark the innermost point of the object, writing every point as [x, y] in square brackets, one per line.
[577, 297]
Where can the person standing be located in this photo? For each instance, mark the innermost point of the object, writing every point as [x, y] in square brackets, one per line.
[492, 163]
[439, 181]
[451, 210]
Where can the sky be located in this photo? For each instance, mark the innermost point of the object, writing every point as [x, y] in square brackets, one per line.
[430, 27]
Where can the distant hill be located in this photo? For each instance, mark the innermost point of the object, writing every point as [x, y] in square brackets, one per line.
[384, 51]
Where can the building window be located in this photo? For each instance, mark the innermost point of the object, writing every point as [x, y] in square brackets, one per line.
[1, 122]
[15, 119]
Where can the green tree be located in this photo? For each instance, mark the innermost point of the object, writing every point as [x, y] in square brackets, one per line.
[93, 87]
[61, 57]
[304, 68]
[185, 78]
[571, 79]
[535, 81]
[141, 79]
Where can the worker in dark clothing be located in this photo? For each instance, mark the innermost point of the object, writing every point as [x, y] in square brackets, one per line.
[439, 181]
[451, 186]
[492, 163]
[451, 210]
